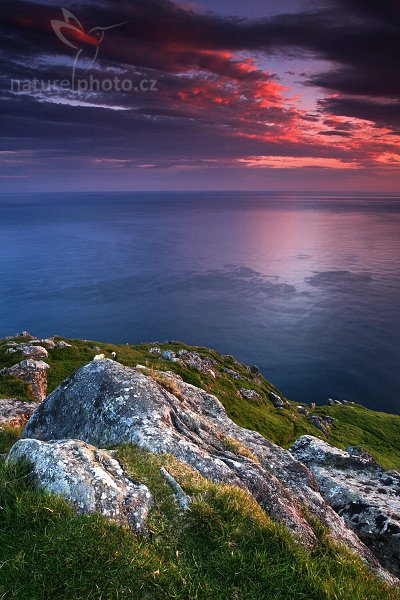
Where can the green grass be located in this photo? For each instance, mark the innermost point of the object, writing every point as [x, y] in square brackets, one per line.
[378, 433]
[14, 388]
[224, 548]
[8, 437]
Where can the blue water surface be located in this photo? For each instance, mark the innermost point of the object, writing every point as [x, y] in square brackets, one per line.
[306, 286]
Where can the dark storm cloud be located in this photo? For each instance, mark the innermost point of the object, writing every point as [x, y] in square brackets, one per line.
[362, 38]
[383, 113]
[335, 132]
[196, 112]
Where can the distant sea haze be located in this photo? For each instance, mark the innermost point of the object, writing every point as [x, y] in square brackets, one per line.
[305, 286]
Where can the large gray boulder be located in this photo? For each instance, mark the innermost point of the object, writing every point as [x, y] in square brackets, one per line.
[105, 403]
[89, 479]
[364, 495]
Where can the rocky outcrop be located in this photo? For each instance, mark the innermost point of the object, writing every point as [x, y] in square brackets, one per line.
[105, 403]
[25, 335]
[31, 351]
[15, 413]
[365, 496]
[32, 372]
[89, 479]
[192, 360]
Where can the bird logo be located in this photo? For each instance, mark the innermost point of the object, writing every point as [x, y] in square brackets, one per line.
[72, 33]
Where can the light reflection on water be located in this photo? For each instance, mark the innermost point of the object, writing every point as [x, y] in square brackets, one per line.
[305, 287]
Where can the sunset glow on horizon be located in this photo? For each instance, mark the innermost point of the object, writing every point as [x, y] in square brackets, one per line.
[314, 91]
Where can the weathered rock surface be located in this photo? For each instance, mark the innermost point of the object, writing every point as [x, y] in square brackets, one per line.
[278, 402]
[319, 424]
[88, 478]
[365, 496]
[105, 403]
[26, 335]
[232, 373]
[15, 413]
[35, 352]
[48, 343]
[249, 394]
[62, 344]
[193, 360]
[32, 372]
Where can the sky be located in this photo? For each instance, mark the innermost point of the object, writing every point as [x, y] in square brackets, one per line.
[200, 95]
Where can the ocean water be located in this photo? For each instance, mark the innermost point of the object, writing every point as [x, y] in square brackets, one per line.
[306, 286]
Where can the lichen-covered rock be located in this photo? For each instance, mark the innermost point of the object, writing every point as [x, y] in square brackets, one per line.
[14, 412]
[26, 335]
[105, 403]
[62, 344]
[35, 352]
[32, 372]
[278, 402]
[193, 360]
[249, 394]
[365, 496]
[319, 424]
[155, 350]
[232, 373]
[88, 478]
[48, 343]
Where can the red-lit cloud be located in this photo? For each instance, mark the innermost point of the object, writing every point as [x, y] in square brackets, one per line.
[217, 103]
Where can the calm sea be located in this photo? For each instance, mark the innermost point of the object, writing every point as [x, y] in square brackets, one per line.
[305, 286]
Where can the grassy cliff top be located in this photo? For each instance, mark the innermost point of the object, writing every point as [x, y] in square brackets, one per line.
[354, 425]
[224, 548]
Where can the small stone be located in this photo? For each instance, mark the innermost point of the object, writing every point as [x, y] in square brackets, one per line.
[319, 424]
[62, 344]
[232, 373]
[48, 343]
[249, 394]
[277, 401]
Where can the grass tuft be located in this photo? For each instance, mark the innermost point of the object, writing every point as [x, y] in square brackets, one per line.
[225, 547]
